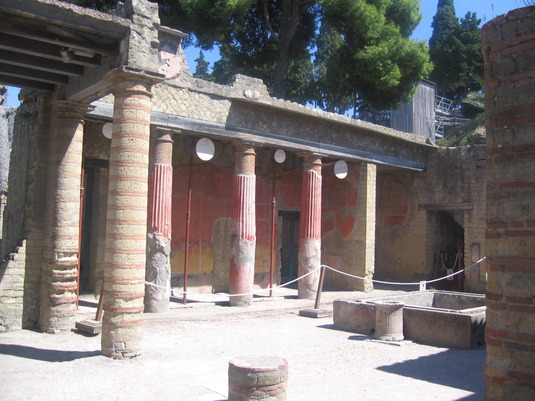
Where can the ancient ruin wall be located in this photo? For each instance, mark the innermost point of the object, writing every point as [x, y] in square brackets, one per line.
[24, 214]
[409, 204]
[509, 53]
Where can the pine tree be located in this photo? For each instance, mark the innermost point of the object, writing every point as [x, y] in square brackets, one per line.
[455, 50]
[201, 71]
[338, 54]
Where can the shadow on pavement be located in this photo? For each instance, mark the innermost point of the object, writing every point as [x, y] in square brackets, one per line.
[46, 355]
[462, 369]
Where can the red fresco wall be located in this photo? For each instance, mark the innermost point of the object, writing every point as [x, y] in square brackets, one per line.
[211, 188]
[211, 201]
[339, 201]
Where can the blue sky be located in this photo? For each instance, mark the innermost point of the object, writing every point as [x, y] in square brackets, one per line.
[485, 10]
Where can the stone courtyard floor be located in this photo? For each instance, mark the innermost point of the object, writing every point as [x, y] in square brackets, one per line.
[186, 353]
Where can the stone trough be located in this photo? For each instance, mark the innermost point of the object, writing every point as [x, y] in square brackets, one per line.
[440, 318]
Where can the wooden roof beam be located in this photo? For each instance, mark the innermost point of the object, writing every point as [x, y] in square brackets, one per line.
[46, 50]
[41, 64]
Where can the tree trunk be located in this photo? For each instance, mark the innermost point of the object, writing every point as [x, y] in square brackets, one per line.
[291, 18]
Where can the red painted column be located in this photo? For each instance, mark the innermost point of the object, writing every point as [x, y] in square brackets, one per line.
[309, 256]
[242, 260]
[159, 223]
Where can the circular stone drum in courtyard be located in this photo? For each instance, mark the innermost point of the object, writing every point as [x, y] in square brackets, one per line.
[389, 321]
[254, 378]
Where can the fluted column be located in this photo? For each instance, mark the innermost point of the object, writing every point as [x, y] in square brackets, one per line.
[60, 270]
[126, 225]
[242, 260]
[309, 255]
[159, 223]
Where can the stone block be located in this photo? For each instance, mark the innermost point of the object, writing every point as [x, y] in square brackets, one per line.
[89, 326]
[422, 322]
[315, 313]
[354, 316]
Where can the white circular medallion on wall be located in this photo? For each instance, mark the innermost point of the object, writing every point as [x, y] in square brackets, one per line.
[340, 169]
[107, 130]
[205, 149]
[280, 156]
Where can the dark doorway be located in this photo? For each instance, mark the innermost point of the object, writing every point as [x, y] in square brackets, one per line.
[290, 245]
[448, 248]
[90, 208]
[88, 179]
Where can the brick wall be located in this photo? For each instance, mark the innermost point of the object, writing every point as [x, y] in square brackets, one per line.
[509, 52]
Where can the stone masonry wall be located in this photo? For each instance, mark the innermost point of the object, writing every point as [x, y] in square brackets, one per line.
[12, 290]
[509, 54]
[15, 213]
[24, 214]
[245, 103]
[406, 246]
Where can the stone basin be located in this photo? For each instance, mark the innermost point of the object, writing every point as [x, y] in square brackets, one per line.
[440, 318]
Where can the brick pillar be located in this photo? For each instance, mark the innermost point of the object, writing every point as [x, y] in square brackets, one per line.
[365, 224]
[242, 260]
[309, 254]
[60, 269]
[126, 227]
[509, 53]
[159, 223]
[262, 377]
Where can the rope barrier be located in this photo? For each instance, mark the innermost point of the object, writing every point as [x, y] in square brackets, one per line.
[420, 283]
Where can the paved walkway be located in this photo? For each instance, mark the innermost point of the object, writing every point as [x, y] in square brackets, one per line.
[186, 353]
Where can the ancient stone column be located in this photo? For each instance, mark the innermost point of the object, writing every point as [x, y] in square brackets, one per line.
[509, 54]
[309, 254]
[60, 269]
[389, 320]
[242, 261]
[365, 227]
[159, 223]
[262, 377]
[126, 227]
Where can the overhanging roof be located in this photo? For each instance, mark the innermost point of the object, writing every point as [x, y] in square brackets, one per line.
[48, 44]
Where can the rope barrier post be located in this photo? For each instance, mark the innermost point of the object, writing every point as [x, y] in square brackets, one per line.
[320, 288]
[316, 312]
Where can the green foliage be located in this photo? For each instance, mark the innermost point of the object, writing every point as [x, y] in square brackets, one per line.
[455, 50]
[211, 20]
[365, 54]
[473, 104]
[201, 71]
[339, 54]
[462, 135]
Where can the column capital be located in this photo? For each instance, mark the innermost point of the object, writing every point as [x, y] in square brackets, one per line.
[125, 74]
[244, 147]
[311, 161]
[244, 158]
[163, 134]
[71, 107]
